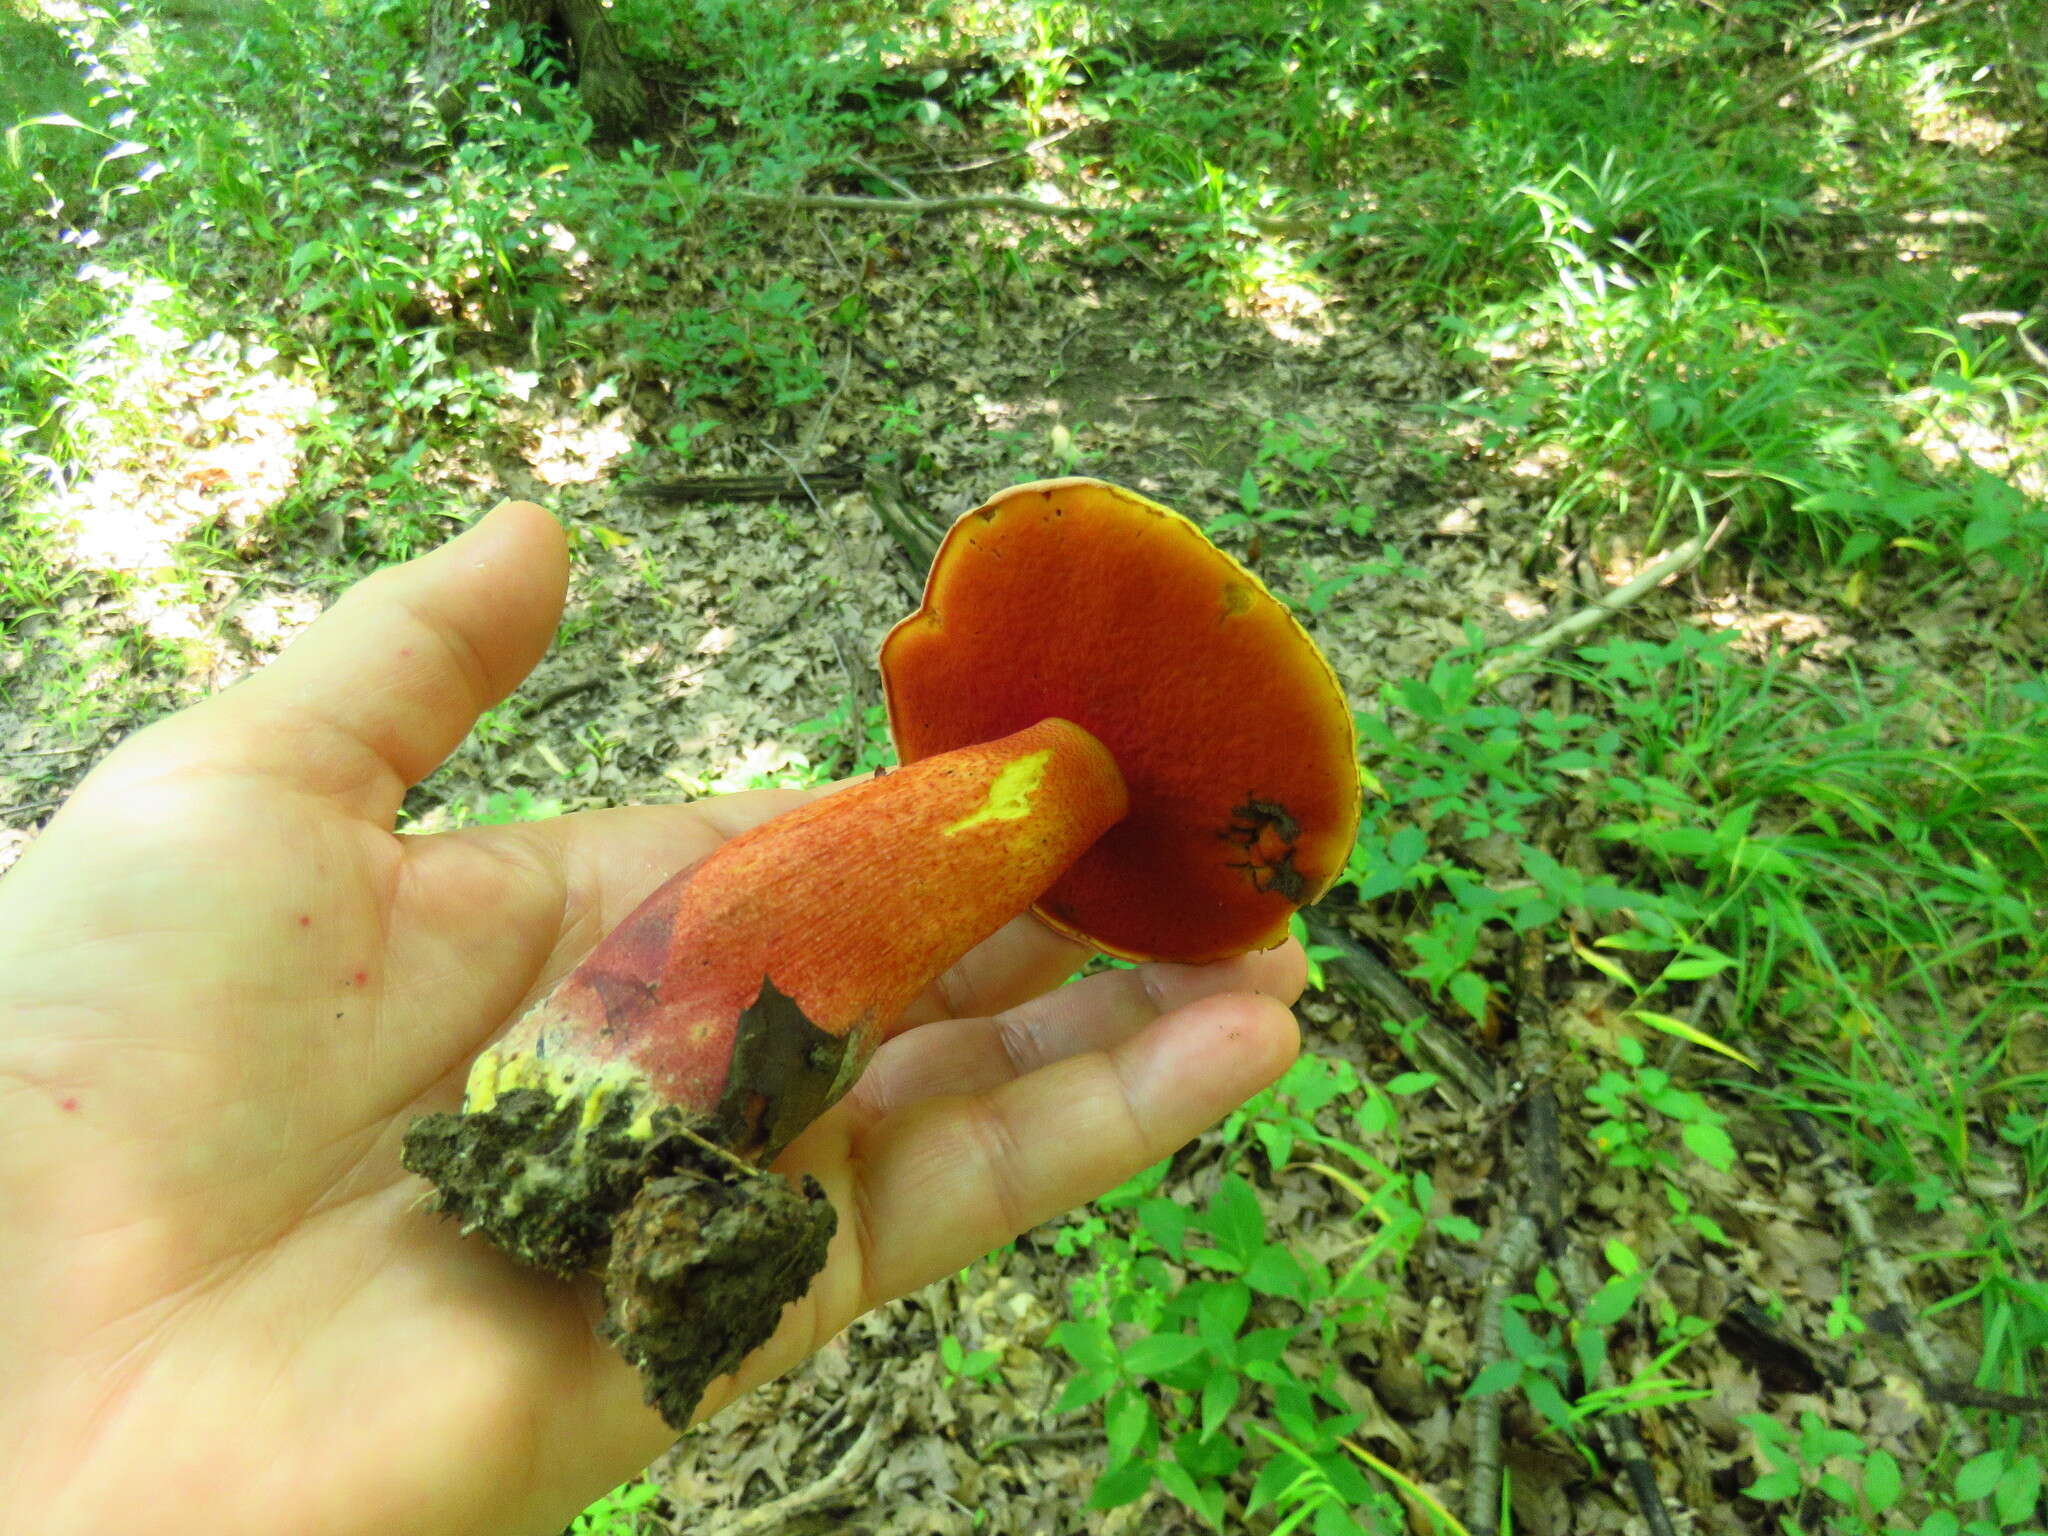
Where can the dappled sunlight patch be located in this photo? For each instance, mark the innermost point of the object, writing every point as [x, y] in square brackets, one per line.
[273, 620]
[174, 431]
[763, 764]
[1951, 439]
[1761, 630]
[571, 450]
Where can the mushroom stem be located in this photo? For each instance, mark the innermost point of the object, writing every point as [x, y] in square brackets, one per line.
[745, 995]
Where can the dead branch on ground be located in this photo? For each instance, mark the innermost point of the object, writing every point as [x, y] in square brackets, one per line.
[748, 487]
[1465, 1079]
[1010, 202]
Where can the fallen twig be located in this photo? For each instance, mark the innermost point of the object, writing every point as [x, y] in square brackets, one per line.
[916, 532]
[747, 487]
[858, 677]
[1511, 1259]
[2019, 320]
[1514, 658]
[562, 694]
[1008, 202]
[1045, 142]
[777, 1514]
[1620, 1435]
[1849, 1198]
[1465, 1079]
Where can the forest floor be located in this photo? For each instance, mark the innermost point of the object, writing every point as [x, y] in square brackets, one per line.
[1353, 437]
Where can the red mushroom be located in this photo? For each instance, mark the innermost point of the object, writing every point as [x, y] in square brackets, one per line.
[1099, 713]
[1077, 599]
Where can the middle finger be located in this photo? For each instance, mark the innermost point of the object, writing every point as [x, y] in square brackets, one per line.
[971, 1055]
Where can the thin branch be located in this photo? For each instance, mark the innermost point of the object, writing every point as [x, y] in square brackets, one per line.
[1619, 1433]
[1511, 1260]
[858, 682]
[895, 184]
[778, 1514]
[2019, 320]
[1465, 1079]
[1849, 1198]
[1514, 658]
[1005, 202]
[562, 695]
[1032, 148]
[746, 487]
[1841, 53]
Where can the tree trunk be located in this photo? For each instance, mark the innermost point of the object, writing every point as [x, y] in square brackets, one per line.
[611, 91]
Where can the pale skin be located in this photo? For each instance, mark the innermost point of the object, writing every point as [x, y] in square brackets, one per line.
[227, 987]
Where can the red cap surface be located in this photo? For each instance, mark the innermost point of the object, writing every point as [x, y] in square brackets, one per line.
[1081, 600]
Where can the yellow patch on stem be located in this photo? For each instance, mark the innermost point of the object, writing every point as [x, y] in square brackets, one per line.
[1009, 797]
[494, 1075]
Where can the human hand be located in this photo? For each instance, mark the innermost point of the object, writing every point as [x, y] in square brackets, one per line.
[227, 987]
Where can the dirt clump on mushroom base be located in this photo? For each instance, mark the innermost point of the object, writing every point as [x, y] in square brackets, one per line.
[697, 1252]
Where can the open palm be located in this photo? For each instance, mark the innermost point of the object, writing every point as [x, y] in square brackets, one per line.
[227, 987]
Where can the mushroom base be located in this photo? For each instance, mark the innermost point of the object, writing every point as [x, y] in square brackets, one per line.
[697, 1251]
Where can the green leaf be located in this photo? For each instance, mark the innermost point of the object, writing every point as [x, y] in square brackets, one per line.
[1088, 1387]
[1984, 532]
[1470, 992]
[1406, 1083]
[1125, 1423]
[1161, 1352]
[1166, 1223]
[1459, 1229]
[1497, 1377]
[1262, 1346]
[1121, 1485]
[1204, 1499]
[1234, 1219]
[1685, 1031]
[1219, 1396]
[1276, 1272]
[1545, 1398]
[1221, 1313]
[1774, 1485]
[1883, 1481]
[1611, 1303]
[1088, 1342]
[1710, 1144]
[2018, 1491]
[1980, 1474]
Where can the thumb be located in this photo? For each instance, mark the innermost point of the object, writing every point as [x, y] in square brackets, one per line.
[386, 684]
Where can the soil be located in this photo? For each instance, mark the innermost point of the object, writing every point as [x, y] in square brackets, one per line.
[698, 1248]
[698, 1251]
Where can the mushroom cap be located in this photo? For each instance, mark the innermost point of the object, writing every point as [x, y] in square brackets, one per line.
[1082, 600]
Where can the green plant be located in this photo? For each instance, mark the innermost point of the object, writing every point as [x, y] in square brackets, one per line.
[632, 1509]
[1625, 1133]
[1171, 1363]
[967, 1364]
[1825, 1474]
